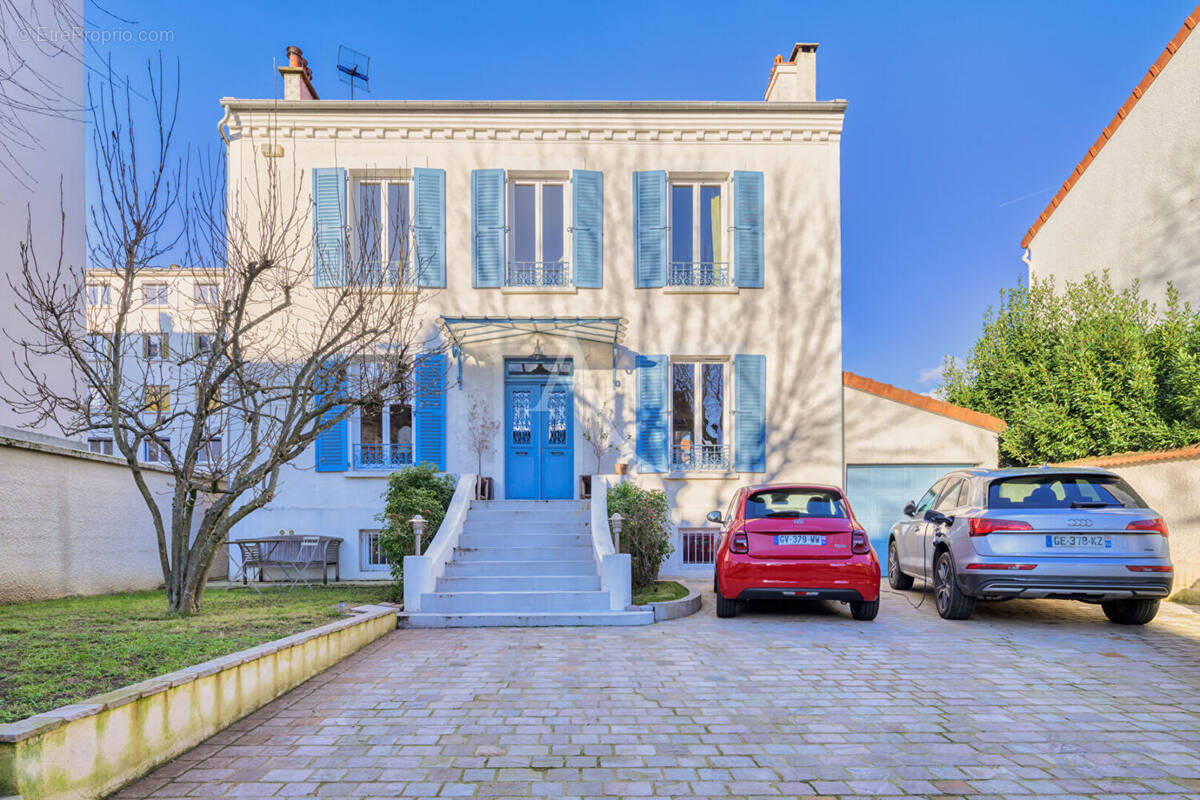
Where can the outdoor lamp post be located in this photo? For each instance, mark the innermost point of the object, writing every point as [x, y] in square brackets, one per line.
[418, 526]
[615, 521]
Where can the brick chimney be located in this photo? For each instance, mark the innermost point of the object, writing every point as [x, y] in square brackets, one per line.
[297, 77]
[794, 80]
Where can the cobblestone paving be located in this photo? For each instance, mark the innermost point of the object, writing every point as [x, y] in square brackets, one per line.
[1027, 699]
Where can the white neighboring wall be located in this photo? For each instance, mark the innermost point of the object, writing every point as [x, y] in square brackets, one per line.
[72, 522]
[1135, 208]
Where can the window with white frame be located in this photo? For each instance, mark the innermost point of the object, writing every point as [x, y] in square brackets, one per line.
[370, 551]
[537, 233]
[154, 294]
[385, 434]
[382, 214]
[698, 429]
[697, 254]
[155, 451]
[156, 346]
[99, 294]
[101, 444]
[209, 451]
[207, 294]
[697, 545]
[203, 343]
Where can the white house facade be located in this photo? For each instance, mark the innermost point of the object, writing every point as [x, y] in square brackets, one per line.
[672, 266]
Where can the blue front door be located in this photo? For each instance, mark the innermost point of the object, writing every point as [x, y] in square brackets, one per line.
[539, 455]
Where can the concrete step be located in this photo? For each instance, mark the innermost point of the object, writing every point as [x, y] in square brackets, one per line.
[507, 620]
[507, 569]
[521, 602]
[567, 553]
[530, 506]
[497, 539]
[517, 583]
[507, 528]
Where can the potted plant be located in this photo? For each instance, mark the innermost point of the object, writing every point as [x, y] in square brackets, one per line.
[598, 429]
[479, 435]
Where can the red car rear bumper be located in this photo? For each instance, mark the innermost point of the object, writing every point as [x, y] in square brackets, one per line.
[744, 578]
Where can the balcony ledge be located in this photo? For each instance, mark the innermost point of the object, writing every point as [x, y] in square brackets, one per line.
[701, 475]
[539, 290]
[700, 289]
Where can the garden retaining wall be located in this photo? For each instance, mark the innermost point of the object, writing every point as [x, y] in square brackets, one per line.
[90, 749]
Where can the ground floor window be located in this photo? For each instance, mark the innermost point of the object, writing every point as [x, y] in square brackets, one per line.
[698, 441]
[385, 435]
[370, 552]
[698, 545]
[101, 445]
[155, 451]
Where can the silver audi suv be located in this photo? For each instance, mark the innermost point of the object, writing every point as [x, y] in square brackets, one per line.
[995, 534]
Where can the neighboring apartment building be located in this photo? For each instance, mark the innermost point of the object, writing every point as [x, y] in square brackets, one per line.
[1132, 205]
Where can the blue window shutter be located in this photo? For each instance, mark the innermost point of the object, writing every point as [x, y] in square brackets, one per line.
[429, 410]
[750, 413]
[329, 226]
[331, 443]
[652, 413]
[587, 228]
[429, 226]
[748, 229]
[487, 221]
[650, 228]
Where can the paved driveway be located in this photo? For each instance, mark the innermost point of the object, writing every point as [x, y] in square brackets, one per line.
[1026, 699]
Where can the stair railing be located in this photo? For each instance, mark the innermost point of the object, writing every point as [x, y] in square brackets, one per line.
[616, 569]
[421, 572]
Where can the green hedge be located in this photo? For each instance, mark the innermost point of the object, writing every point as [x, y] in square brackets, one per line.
[418, 489]
[646, 530]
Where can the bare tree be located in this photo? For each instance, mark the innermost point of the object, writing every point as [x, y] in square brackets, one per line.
[224, 388]
[598, 429]
[479, 435]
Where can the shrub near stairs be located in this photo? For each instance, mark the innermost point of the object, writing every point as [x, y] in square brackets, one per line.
[419, 489]
[646, 530]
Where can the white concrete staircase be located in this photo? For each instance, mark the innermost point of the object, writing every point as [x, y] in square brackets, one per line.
[523, 563]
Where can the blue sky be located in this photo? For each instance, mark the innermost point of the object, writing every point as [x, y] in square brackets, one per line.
[964, 117]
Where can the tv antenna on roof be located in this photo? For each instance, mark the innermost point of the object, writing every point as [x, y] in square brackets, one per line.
[354, 68]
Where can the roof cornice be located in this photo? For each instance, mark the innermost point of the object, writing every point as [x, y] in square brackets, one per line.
[535, 106]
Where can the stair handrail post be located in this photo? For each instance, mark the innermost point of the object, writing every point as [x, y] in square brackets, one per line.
[418, 526]
[615, 522]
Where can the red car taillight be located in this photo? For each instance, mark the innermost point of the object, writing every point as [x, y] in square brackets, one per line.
[982, 526]
[1158, 524]
[739, 543]
[859, 545]
[1002, 566]
[1149, 568]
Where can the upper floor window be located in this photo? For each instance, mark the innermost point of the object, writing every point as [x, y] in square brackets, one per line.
[204, 343]
[537, 233]
[154, 294]
[209, 451]
[207, 294]
[381, 238]
[155, 451]
[214, 397]
[157, 398]
[697, 231]
[155, 346]
[698, 440]
[99, 294]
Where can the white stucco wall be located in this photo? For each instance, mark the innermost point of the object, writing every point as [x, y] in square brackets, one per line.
[1136, 208]
[72, 522]
[1171, 489]
[884, 431]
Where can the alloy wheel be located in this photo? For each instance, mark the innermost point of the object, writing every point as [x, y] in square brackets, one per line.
[941, 589]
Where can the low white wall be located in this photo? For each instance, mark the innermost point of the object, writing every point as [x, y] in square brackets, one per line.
[883, 431]
[72, 522]
[1171, 488]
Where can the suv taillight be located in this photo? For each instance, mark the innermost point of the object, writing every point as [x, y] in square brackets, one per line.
[739, 543]
[859, 544]
[982, 526]
[1158, 525]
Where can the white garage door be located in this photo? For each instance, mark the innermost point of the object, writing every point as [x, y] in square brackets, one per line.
[878, 493]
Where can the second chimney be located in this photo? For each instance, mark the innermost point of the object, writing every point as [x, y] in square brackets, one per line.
[794, 80]
[297, 77]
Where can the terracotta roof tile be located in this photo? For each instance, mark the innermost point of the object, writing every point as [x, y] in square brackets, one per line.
[1111, 129]
[923, 402]
[1140, 457]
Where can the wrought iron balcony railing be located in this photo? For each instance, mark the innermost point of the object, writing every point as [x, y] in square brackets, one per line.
[382, 456]
[700, 458]
[698, 273]
[538, 273]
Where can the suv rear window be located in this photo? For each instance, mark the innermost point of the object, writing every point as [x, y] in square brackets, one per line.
[1063, 491]
[794, 503]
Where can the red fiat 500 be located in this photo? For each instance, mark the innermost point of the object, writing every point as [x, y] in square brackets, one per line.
[794, 541]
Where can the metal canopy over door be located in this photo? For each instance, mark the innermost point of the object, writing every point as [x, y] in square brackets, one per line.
[878, 493]
[539, 405]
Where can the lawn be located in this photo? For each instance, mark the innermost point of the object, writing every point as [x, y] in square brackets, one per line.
[660, 592]
[62, 651]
